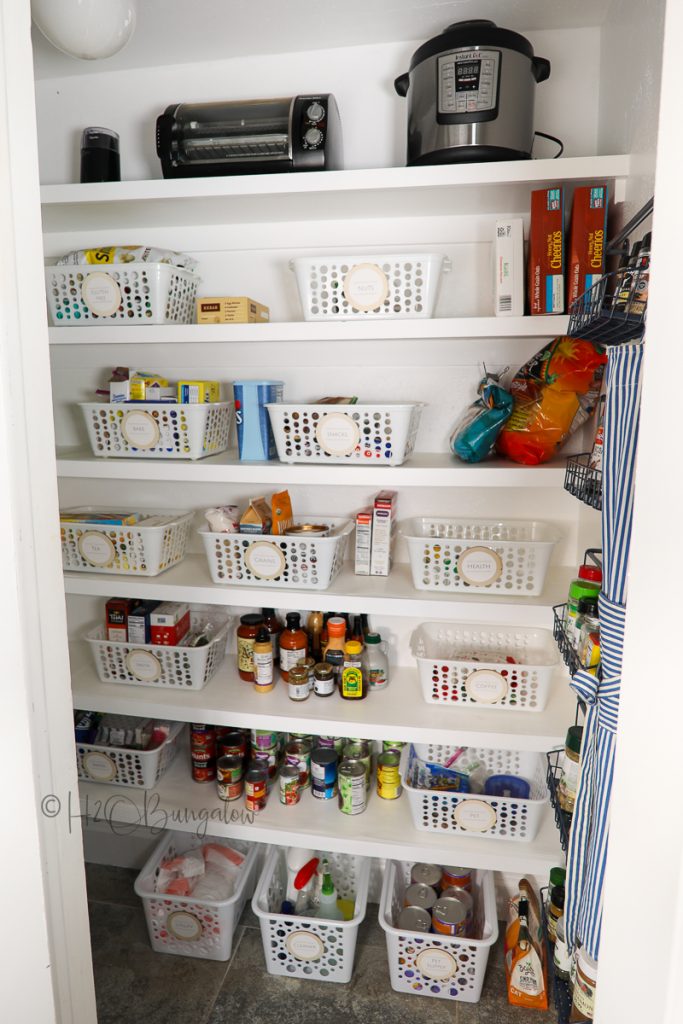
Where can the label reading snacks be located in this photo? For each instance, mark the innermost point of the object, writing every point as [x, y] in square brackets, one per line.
[337, 434]
[485, 686]
[305, 945]
[480, 566]
[366, 286]
[474, 816]
[101, 294]
[436, 963]
[140, 429]
[264, 560]
[144, 665]
[96, 548]
[99, 767]
[185, 926]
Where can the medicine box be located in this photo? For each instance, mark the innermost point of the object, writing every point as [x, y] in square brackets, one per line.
[229, 309]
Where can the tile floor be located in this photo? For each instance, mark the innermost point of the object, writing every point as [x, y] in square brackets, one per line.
[137, 986]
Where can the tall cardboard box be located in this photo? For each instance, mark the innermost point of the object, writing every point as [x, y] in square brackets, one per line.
[546, 252]
[587, 239]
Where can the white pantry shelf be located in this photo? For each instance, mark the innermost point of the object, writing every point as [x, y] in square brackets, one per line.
[385, 829]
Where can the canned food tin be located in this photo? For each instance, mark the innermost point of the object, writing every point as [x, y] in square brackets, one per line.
[262, 739]
[426, 874]
[419, 895]
[229, 769]
[232, 744]
[449, 916]
[335, 742]
[397, 745]
[359, 750]
[204, 739]
[202, 727]
[298, 755]
[460, 878]
[267, 759]
[204, 771]
[300, 736]
[465, 898]
[353, 798]
[388, 776]
[324, 773]
[290, 787]
[414, 919]
[255, 789]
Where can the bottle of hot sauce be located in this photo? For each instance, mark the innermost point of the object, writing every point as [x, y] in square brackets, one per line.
[334, 653]
[314, 627]
[293, 644]
[274, 627]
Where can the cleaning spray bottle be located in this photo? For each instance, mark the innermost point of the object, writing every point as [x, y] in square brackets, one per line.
[328, 908]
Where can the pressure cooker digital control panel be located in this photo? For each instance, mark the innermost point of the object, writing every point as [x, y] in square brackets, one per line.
[468, 86]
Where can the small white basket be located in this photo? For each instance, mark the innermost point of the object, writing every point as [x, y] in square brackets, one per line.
[269, 560]
[310, 947]
[391, 286]
[506, 557]
[182, 668]
[126, 550]
[157, 430]
[442, 966]
[185, 926]
[463, 664]
[376, 435]
[126, 293]
[474, 814]
[118, 766]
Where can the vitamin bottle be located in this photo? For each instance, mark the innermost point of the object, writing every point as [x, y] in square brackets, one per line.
[293, 644]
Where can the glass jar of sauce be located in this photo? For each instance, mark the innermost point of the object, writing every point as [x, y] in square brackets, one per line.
[246, 635]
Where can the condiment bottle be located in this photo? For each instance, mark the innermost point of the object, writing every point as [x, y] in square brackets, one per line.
[334, 655]
[323, 680]
[561, 955]
[264, 680]
[314, 628]
[298, 686]
[357, 631]
[353, 683]
[375, 662]
[583, 996]
[587, 606]
[555, 911]
[246, 635]
[587, 584]
[293, 644]
[274, 627]
[569, 779]
[589, 642]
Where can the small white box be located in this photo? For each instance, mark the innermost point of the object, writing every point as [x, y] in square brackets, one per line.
[383, 520]
[508, 256]
[363, 541]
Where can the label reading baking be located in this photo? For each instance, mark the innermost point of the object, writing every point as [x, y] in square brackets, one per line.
[337, 434]
[474, 816]
[485, 686]
[96, 548]
[480, 567]
[264, 560]
[144, 665]
[101, 294]
[305, 945]
[366, 286]
[140, 429]
[436, 963]
[185, 926]
[99, 767]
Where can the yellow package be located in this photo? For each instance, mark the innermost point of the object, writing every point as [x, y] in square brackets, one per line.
[139, 383]
[281, 506]
[197, 392]
[525, 961]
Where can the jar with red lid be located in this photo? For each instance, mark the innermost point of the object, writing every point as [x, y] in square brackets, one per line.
[246, 635]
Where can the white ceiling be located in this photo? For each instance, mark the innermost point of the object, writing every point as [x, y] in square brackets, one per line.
[180, 32]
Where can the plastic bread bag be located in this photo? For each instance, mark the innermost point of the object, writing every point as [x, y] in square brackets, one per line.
[126, 254]
[476, 432]
[524, 949]
[179, 874]
[554, 394]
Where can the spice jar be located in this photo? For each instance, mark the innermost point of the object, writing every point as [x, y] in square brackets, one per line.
[293, 644]
[583, 997]
[353, 682]
[587, 606]
[323, 680]
[274, 627]
[589, 642]
[569, 779]
[246, 635]
[263, 661]
[297, 685]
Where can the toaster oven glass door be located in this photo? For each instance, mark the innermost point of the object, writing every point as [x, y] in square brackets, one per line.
[254, 130]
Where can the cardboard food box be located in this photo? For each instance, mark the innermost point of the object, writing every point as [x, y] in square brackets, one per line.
[229, 309]
[383, 522]
[587, 239]
[509, 267]
[546, 252]
[116, 619]
[168, 623]
[257, 518]
[363, 541]
[139, 621]
[198, 392]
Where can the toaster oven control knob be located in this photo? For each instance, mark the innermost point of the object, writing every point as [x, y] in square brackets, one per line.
[313, 137]
[315, 112]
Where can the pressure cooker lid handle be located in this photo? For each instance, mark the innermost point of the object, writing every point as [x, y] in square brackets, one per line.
[401, 84]
[541, 69]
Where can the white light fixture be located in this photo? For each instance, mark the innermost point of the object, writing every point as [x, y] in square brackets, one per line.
[86, 29]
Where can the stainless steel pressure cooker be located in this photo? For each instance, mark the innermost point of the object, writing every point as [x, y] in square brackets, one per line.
[471, 95]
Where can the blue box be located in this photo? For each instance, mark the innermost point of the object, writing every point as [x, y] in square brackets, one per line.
[254, 433]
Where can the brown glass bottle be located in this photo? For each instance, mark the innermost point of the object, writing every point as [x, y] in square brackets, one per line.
[274, 627]
[293, 644]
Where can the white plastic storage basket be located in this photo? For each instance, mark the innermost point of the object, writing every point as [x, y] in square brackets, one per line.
[508, 556]
[119, 766]
[182, 668]
[474, 814]
[485, 666]
[386, 287]
[157, 430]
[194, 927]
[267, 560]
[310, 947]
[443, 966]
[125, 293]
[376, 435]
[131, 550]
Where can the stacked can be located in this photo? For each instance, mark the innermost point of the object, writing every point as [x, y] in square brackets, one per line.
[230, 777]
[324, 761]
[203, 752]
[334, 742]
[290, 785]
[359, 750]
[231, 743]
[298, 755]
[255, 789]
[388, 776]
[265, 751]
[353, 794]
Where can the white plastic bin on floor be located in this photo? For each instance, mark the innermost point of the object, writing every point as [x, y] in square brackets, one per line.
[442, 966]
[310, 947]
[137, 550]
[194, 927]
[157, 430]
[120, 766]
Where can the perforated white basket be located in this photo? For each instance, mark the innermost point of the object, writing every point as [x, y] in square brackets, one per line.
[118, 766]
[149, 293]
[508, 556]
[194, 927]
[182, 668]
[443, 966]
[267, 560]
[485, 666]
[473, 814]
[157, 430]
[131, 550]
[385, 287]
[377, 435]
[310, 947]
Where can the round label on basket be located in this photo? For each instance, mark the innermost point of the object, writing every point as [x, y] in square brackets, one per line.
[144, 665]
[98, 766]
[485, 686]
[185, 926]
[474, 816]
[140, 429]
[366, 286]
[305, 945]
[101, 294]
[436, 963]
[96, 548]
[337, 434]
[480, 566]
[264, 560]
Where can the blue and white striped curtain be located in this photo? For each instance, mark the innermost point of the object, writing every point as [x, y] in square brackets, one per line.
[590, 824]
